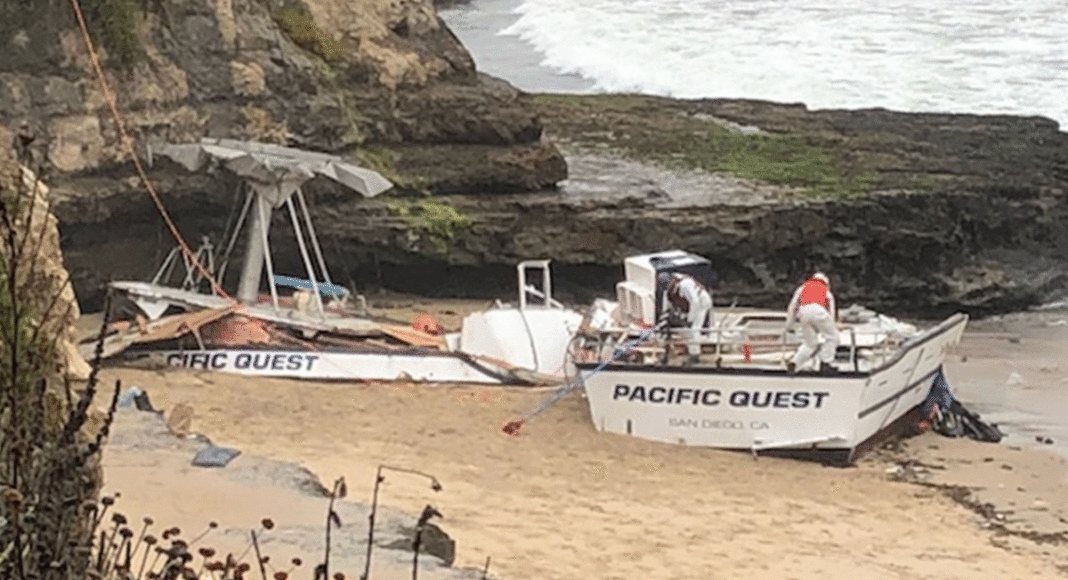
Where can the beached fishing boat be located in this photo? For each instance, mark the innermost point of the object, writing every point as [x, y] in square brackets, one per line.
[738, 394]
[320, 331]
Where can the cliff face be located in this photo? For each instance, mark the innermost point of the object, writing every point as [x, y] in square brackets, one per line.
[383, 81]
[30, 254]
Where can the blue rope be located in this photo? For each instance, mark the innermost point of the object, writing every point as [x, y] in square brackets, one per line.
[618, 352]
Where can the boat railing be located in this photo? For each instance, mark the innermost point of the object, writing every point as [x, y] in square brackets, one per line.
[192, 276]
[545, 293]
[733, 340]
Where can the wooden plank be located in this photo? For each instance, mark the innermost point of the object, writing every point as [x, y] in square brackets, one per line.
[179, 324]
[414, 337]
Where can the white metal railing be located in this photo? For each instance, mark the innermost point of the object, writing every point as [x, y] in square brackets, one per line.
[546, 291]
[720, 338]
[549, 300]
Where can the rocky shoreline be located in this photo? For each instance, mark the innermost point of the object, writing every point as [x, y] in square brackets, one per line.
[919, 214]
[974, 242]
[146, 461]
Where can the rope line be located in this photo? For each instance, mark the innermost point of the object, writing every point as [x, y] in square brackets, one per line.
[109, 96]
[513, 427]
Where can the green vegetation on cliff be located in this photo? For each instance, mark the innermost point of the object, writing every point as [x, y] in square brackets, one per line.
[648, 128]
[13, 16]
[112, 24]
[297, 23]
[432, 220]
[776, 159]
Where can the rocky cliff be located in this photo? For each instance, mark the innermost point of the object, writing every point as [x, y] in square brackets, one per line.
[916, 213]
[383, 81]
[919, 214]
[36, 283]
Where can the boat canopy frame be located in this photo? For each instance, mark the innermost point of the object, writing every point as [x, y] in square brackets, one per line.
[273, 176]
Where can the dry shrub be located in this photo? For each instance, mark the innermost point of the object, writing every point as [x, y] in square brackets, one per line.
[49, 460]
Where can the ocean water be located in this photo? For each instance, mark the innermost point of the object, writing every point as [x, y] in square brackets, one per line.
[978, 56]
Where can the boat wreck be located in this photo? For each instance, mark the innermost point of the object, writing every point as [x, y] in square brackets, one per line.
[320, 330]
[738, 394]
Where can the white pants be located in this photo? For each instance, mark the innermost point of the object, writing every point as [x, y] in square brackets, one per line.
[816, 323]
[696, 319]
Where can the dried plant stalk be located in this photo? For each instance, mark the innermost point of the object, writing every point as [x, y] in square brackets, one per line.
[49, 461]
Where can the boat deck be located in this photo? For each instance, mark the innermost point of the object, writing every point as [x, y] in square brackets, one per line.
[746, 339]
[327, 321]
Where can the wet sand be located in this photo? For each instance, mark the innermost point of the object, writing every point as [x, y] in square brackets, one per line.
[1014, 370]
[563, 501]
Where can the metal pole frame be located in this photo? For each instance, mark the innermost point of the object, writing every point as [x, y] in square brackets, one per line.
[522, 270]
[313, 236]
[205, 253]
[546, 284]
[249, 195]
[304, 255]
[166, 269]
[265, 221]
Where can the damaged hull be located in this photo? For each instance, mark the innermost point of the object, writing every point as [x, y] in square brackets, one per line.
[416, 366]
[321, 331]
[338, 343]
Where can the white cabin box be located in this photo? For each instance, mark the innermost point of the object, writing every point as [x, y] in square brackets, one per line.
[638, 295]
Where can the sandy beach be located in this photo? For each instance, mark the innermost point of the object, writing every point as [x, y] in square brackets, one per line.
[562, 501]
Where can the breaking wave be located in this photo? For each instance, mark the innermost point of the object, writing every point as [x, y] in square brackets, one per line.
[983, 56]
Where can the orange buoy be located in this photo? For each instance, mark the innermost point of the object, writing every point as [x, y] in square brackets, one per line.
[747, 352]
[426, 323]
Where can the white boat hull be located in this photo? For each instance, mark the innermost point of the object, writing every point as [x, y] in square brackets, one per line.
[503, 345]
[438, 367]
[758, 409]
[533, 338]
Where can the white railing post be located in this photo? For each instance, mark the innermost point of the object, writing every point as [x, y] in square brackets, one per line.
[546, 284]
[265, 220]
[165, 269]
[521, 269]
[313, 237]
[304, 256]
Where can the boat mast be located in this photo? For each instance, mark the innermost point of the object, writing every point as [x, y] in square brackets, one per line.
[258, 253]
[274, 173]
[252, 270]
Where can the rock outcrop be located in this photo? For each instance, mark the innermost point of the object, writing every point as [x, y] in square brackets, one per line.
[265, 486]
[385, 82]
[963, 212]
[31, 253]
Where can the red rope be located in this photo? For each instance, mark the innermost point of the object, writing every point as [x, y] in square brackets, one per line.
[109, 96]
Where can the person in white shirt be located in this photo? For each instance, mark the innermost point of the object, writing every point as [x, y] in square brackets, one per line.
[688, 296]
[813, 306]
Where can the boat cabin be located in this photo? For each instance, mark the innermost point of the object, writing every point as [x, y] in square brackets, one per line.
[640, 295]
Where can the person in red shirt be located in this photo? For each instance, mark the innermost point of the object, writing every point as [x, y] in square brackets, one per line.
[813, 306]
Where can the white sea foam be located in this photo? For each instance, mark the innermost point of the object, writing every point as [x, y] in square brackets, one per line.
[980, 56]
